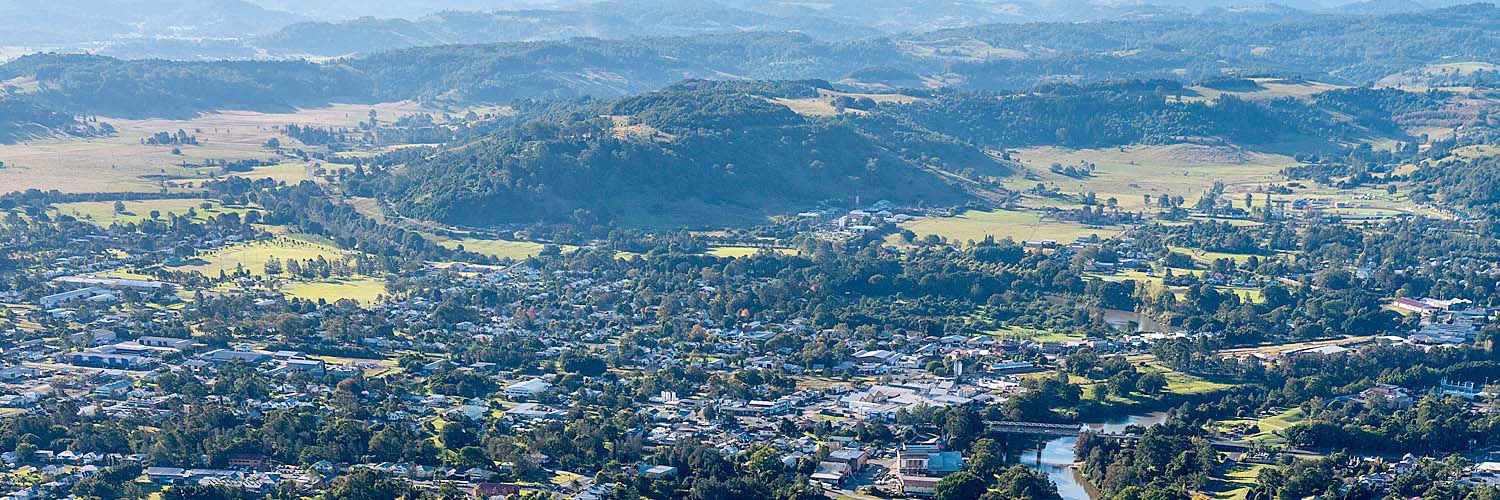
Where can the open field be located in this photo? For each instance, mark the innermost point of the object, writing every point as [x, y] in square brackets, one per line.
[744, 251]
[253, 256]
[103, 212]
[1268, 428]
[362, 290]
[823, 104]
[121, 163]
[1127, 173]
[290, 172]
[1157, 282]
[1270, 88]
[501, 249]
[1235, 482]
[1016, 224]
[1022, 333]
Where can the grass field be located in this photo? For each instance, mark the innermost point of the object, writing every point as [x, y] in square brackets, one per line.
[501, 249]
[121, 163]
[1127, 173]
[1182, 383]
[1022, 333]
[1020, 225]
[1270, 88]
[1270, 427]
[1235, 481]
[362, 290]
[744, 251]
[253, 256]
[1250, 294]
[103, 212]
[291, 172]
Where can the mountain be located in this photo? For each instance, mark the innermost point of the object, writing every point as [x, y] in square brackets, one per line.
[993, 57]
[50, 23]
[711, 152]
[717, 153]
[614, 20]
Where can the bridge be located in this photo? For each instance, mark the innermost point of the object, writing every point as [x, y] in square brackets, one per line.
[1037, 428]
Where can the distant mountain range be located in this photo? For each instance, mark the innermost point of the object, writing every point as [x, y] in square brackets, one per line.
[991, 57]
[239, 29]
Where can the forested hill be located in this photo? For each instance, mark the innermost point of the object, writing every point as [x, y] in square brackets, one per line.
[998, 57]
[21, 120]
[106, 86]
[696, 151]
[1290, 43]
[737, 150]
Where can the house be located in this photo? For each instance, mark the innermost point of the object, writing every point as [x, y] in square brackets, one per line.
[116, 283]
[472, 412]
[831, 473]
[529, 389]
[166, 475]
[98, 336]
[113, 388]
[534, 411]
[251, 461]
[313, 366]
[90, 293]
[916, 461]
[106, 358]
[222, 356]
[855, 458]
[1415, 306]
[167, 342]
[1484, 474]
[1388, 397]
[918, 486]
[659, 471]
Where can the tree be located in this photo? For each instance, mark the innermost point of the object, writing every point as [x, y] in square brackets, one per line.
[961, 485]
[986, 458]
[1020, 483]
[458, 432]
[1152, 383]
[366, 484]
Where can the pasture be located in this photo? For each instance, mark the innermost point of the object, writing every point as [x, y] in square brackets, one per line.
[121, 163]
[735, 251]
[364, 290]
[1019, 225]
[501, 249]
[103, 212]
[1128, 173]
[253, 256]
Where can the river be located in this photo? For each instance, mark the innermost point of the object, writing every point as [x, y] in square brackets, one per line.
[1057, 457]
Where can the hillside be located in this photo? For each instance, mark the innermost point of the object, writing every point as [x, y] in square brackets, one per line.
[992, 58]
[727, 152]
[698, 150]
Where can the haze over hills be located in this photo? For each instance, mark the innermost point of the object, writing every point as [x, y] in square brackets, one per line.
[216, 29]
[993, 57]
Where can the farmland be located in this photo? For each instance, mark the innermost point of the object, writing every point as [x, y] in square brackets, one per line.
[123, 163]
[1018, 225]
[252, 257]
[104, 214]
[1128, 173]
